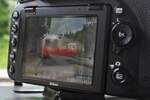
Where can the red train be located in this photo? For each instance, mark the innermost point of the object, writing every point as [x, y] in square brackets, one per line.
[69, 52]
[52, 47]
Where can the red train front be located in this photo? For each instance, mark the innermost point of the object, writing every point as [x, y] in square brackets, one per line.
[53, 45]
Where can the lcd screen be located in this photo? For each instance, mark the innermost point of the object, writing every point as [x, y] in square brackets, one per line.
[60, 48]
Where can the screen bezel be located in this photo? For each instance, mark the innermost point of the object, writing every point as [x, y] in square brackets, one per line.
[102, 13]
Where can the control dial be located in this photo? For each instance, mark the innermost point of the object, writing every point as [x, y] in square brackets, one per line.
[122, 34]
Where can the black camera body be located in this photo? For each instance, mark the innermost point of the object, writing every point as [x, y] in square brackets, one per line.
[121, 56]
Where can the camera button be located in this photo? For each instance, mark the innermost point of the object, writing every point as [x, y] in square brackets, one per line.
[12, 33]
[122, 34]
[15, 15]
[14, 28]
[14, 42]
[12, 56]
[119, 76]
[11, 69]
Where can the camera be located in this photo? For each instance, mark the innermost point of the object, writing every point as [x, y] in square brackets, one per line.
[85, 46]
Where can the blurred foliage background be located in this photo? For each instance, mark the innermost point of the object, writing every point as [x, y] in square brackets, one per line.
[6, 7]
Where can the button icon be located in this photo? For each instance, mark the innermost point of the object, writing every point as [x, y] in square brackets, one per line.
[119, 10]
[119, 76]
[122, 35]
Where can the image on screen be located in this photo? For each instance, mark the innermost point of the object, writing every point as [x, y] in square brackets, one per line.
[60, 48]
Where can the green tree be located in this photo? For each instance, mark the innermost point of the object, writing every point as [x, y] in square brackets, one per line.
[4, 16]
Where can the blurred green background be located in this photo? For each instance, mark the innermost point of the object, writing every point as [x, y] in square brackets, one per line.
[6, 7]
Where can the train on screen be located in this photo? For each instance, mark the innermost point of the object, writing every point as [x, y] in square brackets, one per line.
[52, 46]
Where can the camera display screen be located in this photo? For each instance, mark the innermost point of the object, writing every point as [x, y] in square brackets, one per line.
[60, 48]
